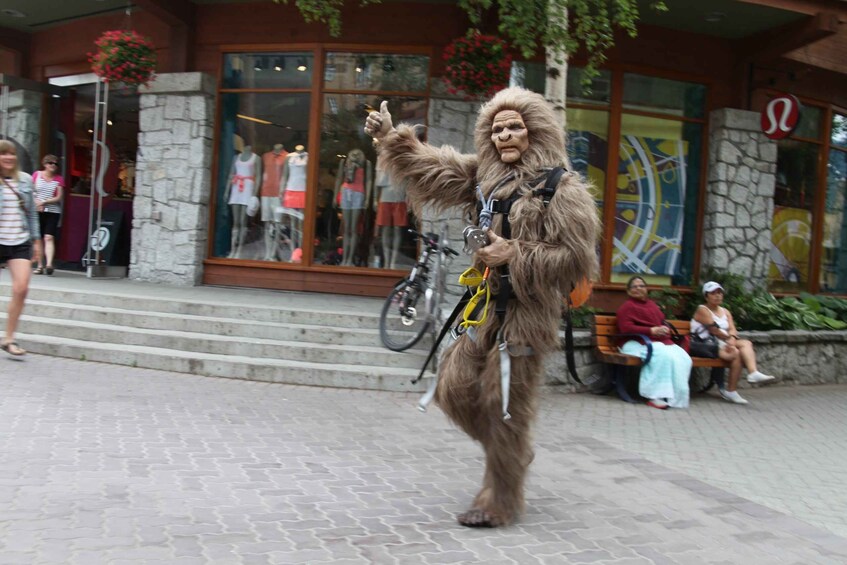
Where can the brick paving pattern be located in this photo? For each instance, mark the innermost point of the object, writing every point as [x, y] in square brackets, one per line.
[107, 464]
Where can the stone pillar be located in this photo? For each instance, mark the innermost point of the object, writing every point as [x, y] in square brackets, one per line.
[24, 127]
[173, 179]
[739, 196]
[451, 122]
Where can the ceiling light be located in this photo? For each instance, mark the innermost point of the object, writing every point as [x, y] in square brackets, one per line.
[301, 64]
[388, 65]
[12, 13]
[109, 122]
[360, 64]
[252, 119]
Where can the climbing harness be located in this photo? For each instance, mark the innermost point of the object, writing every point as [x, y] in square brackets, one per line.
[479, 298]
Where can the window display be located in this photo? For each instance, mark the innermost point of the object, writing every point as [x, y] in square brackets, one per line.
[791, 228]
[360, 210]
[833, 276]
[262, 176]
[269, 208]
[658, 182]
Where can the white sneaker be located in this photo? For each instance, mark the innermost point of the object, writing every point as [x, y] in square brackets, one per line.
[732, 396]
[759, 377]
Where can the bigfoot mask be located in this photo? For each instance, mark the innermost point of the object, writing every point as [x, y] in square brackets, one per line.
[509, 135]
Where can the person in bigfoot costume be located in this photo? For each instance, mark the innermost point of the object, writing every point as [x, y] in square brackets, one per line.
[551, 248]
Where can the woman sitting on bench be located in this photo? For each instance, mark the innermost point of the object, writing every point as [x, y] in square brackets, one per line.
[712, 318]
[664, 380]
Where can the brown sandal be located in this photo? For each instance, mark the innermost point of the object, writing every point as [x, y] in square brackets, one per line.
[12, 348]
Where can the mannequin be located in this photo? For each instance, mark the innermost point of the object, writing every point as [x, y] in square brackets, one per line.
[273, 163]
[242, 186]
[390, 204]
[292, 190]
[352, 192]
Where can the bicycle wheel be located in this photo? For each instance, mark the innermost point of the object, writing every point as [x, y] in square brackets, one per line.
[404, 319]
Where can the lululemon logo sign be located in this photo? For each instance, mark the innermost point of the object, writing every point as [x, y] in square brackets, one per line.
[100, 239]
[781, 116]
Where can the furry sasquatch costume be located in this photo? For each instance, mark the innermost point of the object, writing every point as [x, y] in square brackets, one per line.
[551, 247]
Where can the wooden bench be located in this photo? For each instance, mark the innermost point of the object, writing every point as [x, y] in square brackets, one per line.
[605, 335]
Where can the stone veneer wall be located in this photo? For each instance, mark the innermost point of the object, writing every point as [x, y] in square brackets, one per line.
[25, 127]
[451, 122]
[739, 197]
[173, 179]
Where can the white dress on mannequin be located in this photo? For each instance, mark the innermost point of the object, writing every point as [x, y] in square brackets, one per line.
[243, 181]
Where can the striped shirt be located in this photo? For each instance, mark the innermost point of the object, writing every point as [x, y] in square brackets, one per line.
[13, 230]
[47, 189]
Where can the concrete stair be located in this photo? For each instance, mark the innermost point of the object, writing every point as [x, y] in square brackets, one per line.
[295, 338]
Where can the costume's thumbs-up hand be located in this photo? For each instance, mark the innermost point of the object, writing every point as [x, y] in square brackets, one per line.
[378, 124]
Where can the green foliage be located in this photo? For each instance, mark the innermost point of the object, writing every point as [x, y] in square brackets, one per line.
[581, 317]
[760, 310]
[671, 302]
[562, 25]
[529, 25]
[325, 11]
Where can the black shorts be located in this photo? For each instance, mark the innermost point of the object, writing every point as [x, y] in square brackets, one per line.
[22, 251]
[49, 222]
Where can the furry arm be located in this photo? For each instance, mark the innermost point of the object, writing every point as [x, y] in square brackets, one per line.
[439, 176]
[543, 268]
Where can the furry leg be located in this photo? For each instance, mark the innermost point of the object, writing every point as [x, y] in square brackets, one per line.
[507, 443]
[458, 389]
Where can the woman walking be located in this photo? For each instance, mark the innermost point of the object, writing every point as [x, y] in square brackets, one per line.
[49, 186]
[20, 237]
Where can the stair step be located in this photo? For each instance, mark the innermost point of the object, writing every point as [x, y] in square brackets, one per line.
[254, 347]
[278, 308]
[227, 366]
[355, 336]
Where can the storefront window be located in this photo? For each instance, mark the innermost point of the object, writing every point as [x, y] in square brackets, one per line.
[262, 176]
[376, 71]
[267, 70]
[278, 203]
[809, 126]
[588, 147]
[361, 215]
[599, 91]
[791, 229]
[834, 266]
[656, 199]
[685, 99]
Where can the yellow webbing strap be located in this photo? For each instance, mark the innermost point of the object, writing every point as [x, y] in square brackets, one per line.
[474, 279]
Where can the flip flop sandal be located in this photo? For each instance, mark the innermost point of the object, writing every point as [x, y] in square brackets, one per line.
[12, 348]
[38, 271]
[49, 270]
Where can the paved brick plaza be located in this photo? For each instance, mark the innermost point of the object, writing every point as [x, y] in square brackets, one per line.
[104, 464]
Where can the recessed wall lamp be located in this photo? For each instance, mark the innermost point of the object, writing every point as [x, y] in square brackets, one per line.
[715, 17]
[301, 64]
[109, 122]
[388, 65]
[279, 64]
[360, 64]
[259, 66]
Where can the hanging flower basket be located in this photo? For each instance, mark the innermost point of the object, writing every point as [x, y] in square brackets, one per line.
[123, 56]
[479, 65]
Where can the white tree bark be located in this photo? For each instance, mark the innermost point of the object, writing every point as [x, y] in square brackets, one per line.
[556, 83]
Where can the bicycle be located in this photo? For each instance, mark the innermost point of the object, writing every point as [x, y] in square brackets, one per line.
[412, 306]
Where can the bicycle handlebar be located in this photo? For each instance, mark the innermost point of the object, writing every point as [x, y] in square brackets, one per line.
[432, 242]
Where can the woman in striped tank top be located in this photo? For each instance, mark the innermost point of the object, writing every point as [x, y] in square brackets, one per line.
[20, 237]
[48, 185]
